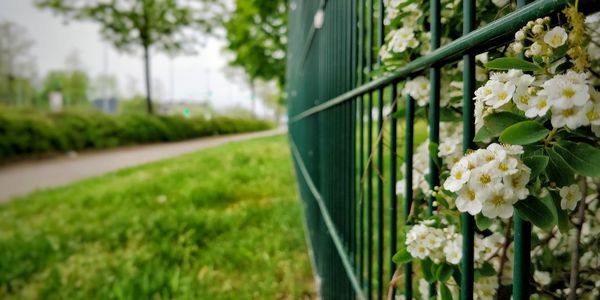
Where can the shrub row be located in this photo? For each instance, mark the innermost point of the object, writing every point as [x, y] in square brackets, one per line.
[27, 133]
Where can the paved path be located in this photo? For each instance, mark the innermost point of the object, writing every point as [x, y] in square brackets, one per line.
[21, 178]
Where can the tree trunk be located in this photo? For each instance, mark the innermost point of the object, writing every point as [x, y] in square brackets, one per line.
[148, 84]
[253, 97]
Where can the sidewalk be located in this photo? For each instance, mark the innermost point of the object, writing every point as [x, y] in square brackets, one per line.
[21, 178]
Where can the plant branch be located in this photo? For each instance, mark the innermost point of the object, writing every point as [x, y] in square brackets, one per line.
[503, 256]
[575, 251]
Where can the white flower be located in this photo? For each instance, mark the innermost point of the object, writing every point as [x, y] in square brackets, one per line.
[538, 107]
[522, 92]
[556, 37]
[507, 166]
[448, 147]
[480, 74]
[418, 89]
[592, 113]
[459, 175]
[573, 117]
[453, 251]
[479, 113]
[485, 288]
[542, 277]
[402, 39]
[563, 93]
[569, 196]
[498, 204]
[483, 93]
[494, 154]
[501, 93]
[536, 48]
[400, 187]
[468, 201]
[515, 184]
[484, 179]
[423, 288]
[512, 149]
[384, 53]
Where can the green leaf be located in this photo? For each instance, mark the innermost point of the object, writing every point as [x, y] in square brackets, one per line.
[487, 270]
[537, 164]
[443, 272]
[445, 292]
[426, 266]
[449, 115]
[497, 122]
[559, 52]
[558, 171]
[536, 212]
[402, 257]
[483, 135]
[562, 215]
[482, 222]
[581, 157]
[433, 153]
[523, 133]
[507, 63]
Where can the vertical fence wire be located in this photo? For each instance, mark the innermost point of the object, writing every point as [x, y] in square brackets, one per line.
[434, 108]
[380, 159]
[467, 221]
[361, 141]
[522, 246]
[392, 180]
[369, 177]
[408, 183]
[351, 133]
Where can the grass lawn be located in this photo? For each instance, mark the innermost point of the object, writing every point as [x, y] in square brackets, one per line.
[224, 223]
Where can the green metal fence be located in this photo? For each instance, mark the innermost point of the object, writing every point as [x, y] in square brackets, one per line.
[346, 154]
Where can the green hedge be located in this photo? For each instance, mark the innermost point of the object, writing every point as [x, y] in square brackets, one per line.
[30, 132]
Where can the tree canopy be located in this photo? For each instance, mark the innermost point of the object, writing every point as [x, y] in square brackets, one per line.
[257, 35]
[164, 25]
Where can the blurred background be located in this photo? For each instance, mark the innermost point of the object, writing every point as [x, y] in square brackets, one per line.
[209, 56]
[104, 192]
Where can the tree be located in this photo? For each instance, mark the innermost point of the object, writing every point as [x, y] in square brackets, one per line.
[257, 35]
[161, 25]
[73, 85]
[16, 63]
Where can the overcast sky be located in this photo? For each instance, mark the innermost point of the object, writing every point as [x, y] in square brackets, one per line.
[192, 77]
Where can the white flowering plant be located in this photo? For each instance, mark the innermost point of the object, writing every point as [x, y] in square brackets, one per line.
[537, 155]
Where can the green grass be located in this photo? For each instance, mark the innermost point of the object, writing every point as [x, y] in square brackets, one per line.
[224, 223]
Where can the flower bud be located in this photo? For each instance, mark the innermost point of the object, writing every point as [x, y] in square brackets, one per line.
[537, 29]
[539, 21]
[520, 35]
[517, 47]
[530, 24]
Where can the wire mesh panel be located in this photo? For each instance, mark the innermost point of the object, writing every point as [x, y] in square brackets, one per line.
[352, 133]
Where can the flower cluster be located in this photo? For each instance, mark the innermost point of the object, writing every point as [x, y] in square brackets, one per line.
[407, 36]
[418, 89]
[450, 151]
[571, 99]
[489, 181]
[438, 244]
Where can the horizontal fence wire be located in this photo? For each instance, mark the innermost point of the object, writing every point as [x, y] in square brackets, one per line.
[345, 146]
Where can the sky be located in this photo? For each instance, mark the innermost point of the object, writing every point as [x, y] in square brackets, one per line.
[191, 78]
